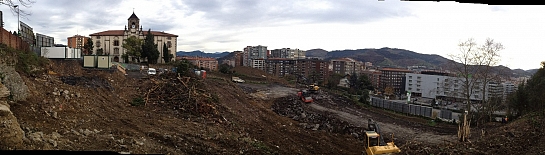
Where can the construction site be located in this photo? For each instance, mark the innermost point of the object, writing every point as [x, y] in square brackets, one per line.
[69, 107]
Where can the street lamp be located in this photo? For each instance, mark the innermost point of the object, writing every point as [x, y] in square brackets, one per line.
[18, 22]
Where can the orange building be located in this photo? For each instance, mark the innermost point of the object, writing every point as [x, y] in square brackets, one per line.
[207, 63]
[77, 41]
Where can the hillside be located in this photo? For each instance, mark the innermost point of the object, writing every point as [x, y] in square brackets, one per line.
[202, 54]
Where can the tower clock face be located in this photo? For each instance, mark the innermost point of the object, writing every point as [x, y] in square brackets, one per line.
[132, 26]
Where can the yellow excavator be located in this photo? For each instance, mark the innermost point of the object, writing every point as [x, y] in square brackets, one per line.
[313, 88]
[375, 142]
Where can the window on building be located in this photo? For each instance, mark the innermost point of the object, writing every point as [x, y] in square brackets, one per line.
[98, 43]
[169, 38]
[169, 45]
[116, 50]
[98, 37]
[116, 42]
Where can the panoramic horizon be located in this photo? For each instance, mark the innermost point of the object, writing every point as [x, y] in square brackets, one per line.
[219, 26]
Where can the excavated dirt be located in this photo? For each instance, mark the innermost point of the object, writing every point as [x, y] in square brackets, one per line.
[74, 108]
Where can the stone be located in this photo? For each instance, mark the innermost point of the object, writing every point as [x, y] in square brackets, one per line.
[56, 99]
[10, 131]
[75, 132]
[87, 132]
[55, 89]
[36, 137]
[78, 95]
[54, 93]
[72, 95]
[316, 127]
[55, 116]
[55, 135]
[66, 92]
[303, 115]
[53, 142]
[15, 84]
[4, 92]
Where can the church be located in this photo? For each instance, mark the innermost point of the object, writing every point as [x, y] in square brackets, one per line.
[111, 41]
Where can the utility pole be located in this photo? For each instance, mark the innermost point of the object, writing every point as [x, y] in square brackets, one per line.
[18, 22]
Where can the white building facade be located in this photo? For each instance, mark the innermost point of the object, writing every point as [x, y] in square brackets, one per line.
[111, 41]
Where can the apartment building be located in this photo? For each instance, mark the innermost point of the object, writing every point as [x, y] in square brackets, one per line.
[27, 34]
[254, 52]
[374, 77]
[281, 67]
[288, 53]
[238, 58]
[394, 78]
[313, 69]
[208, 63]
[345, 66]
[44, 41]
[445, 86]
[77, 41]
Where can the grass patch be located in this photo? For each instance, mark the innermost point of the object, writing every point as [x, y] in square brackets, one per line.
[137, 101]
[26, 62]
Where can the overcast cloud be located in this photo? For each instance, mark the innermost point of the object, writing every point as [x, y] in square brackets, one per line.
[229, 25]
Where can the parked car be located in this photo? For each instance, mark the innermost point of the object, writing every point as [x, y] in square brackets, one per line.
[152, 71]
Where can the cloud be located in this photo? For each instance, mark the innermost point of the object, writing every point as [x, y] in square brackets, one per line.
[249, 13]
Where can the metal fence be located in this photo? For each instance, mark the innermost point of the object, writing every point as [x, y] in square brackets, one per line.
[412, 109]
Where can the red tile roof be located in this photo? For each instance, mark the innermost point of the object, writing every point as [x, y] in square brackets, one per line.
[122, 32]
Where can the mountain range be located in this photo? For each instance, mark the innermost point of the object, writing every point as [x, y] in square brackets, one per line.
[384, 57]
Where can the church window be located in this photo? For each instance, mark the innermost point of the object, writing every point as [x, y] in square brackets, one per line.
[98, 37]
[98, 43]
[116, 50]
[169, 45]
[116, 42]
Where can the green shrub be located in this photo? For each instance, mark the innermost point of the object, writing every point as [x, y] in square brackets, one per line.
[138, 101]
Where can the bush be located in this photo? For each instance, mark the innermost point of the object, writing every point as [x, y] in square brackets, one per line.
[138, 101]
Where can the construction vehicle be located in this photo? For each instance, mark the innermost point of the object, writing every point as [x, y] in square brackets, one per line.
[375, 142]
[313, 88]
[304, 95]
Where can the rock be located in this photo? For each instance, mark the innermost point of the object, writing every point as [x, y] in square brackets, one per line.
[56, 89]
[4, 92]
[87, 132]
[55, 116]
[36, 137]
[55, 93]
[55, 135]
[56, 99]
[72, 95]
[316, 127]
[66, 92]
[124, 152]
[96, 131]
[15, 84]
[53, 142]
[78, 95]
[355, 135]
[123, 146]
[303, 115]
[138, 143]
[75, 132]
[10, 131]
[66, 97]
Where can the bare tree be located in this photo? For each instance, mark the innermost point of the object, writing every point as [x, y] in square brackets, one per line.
[15, 6]
[474, 67]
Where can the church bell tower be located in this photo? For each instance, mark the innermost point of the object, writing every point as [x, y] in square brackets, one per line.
[133, 23]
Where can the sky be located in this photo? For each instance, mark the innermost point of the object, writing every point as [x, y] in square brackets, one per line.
[231, 25]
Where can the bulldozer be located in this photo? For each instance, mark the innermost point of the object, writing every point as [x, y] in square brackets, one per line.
[375, 142]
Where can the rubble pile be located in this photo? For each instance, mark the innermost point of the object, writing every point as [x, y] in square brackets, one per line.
[291, 107]
[184, 94]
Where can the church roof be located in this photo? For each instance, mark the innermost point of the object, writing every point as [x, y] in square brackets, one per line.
[122, 32]
[133, 16]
